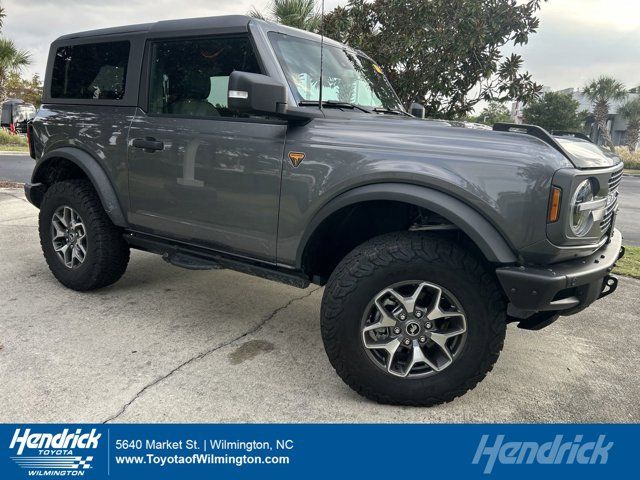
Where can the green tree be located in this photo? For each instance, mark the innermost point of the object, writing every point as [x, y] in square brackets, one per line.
[600, 93]
[301, 14]
[11, 60]
[554, 111]
[29, 90]
[495, 112]
[443, 53]
[630, 111]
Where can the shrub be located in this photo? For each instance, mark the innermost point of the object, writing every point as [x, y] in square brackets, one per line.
[9, 139]
[631, 159]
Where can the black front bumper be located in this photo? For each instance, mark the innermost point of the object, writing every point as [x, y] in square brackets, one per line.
[566, 287]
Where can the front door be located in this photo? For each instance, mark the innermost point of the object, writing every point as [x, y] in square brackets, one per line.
[198, 171]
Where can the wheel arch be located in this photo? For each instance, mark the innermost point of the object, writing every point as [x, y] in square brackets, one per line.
[469, 221]
[91, 170]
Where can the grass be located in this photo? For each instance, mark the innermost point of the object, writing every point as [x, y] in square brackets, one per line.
[12, 143]
[25, 149]
[7, 138]
[629, 265]
[8, 184]
[631, 159]
[632, 171]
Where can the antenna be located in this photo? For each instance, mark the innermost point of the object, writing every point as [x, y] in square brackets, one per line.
[321, 54]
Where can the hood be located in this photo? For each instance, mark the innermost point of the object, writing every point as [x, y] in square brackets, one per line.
[582, 153]
[585, 154]
[439, 141]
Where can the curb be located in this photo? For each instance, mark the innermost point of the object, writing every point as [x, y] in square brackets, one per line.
[13, 152]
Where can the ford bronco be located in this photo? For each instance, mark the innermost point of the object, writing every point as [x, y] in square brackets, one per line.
[225, 143]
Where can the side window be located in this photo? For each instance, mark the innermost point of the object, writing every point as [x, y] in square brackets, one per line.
[92, 71]
[191, 77]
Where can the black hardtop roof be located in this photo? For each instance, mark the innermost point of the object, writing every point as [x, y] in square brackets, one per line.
[235, 23]
[229, 21]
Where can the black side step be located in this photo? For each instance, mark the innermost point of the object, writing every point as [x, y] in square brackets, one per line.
[190, 262]
[197, 258]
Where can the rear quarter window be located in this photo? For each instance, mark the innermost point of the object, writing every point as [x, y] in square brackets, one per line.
[95, 71]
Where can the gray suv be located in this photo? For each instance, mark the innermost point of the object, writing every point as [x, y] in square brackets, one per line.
[218, 143]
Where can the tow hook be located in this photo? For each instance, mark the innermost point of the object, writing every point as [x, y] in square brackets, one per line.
[609, 285]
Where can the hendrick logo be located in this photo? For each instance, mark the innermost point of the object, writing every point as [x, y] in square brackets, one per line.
[554, 452]
[54, 454]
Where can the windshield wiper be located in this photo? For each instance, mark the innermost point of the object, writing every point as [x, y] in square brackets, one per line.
[333, 104]
[393, 111]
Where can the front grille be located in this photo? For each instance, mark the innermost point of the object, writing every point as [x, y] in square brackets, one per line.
[614, 183]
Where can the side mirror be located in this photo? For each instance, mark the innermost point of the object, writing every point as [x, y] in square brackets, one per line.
[417, 110]
[255, 93]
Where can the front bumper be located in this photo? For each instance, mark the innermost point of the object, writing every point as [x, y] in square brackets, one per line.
[566, 287]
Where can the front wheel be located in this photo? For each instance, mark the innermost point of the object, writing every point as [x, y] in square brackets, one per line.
[412, 319]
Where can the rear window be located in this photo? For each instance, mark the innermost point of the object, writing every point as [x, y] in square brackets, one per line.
[95, 71]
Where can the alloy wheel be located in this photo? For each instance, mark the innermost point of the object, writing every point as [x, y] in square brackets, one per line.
[414, 329]
[69, 236]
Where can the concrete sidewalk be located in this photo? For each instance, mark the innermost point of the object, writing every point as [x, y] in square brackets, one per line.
[171, 345]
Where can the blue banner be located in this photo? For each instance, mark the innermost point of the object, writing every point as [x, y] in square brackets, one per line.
[156, 451]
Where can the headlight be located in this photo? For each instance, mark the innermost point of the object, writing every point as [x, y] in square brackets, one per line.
[581, 218]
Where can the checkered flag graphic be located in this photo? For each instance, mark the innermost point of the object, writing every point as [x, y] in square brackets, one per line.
[84, 464]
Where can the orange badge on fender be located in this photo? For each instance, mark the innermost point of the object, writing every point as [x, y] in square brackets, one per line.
[296, 158]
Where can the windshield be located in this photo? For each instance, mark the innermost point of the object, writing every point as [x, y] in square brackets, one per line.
[347, 76]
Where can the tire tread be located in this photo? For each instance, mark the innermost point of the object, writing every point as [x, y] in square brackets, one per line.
[111, 253]
[405, 247]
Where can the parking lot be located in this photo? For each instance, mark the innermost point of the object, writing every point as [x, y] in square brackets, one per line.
[171, 345]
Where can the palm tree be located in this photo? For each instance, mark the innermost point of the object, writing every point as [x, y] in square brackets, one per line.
[301, 14]
[11, 60]
[631, 112]
[600, 92]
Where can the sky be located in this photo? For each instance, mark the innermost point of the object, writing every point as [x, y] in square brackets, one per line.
[577, 40]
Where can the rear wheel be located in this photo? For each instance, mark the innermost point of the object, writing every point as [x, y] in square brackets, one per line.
[412, 319]
[83, 249]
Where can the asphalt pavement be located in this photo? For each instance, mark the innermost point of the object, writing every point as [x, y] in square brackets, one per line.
[17, 168]
[628, 220]
[166, 344]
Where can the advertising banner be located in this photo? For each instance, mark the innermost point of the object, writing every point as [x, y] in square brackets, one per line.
[157, 451]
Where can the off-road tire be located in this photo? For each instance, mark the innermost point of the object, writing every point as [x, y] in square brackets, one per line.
[398, 257]
[107, 253]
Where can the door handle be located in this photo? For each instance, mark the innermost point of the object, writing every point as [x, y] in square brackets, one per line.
[148, 144]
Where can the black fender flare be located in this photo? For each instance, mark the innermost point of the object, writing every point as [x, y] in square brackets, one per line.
[490, 242]
[96, 174]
